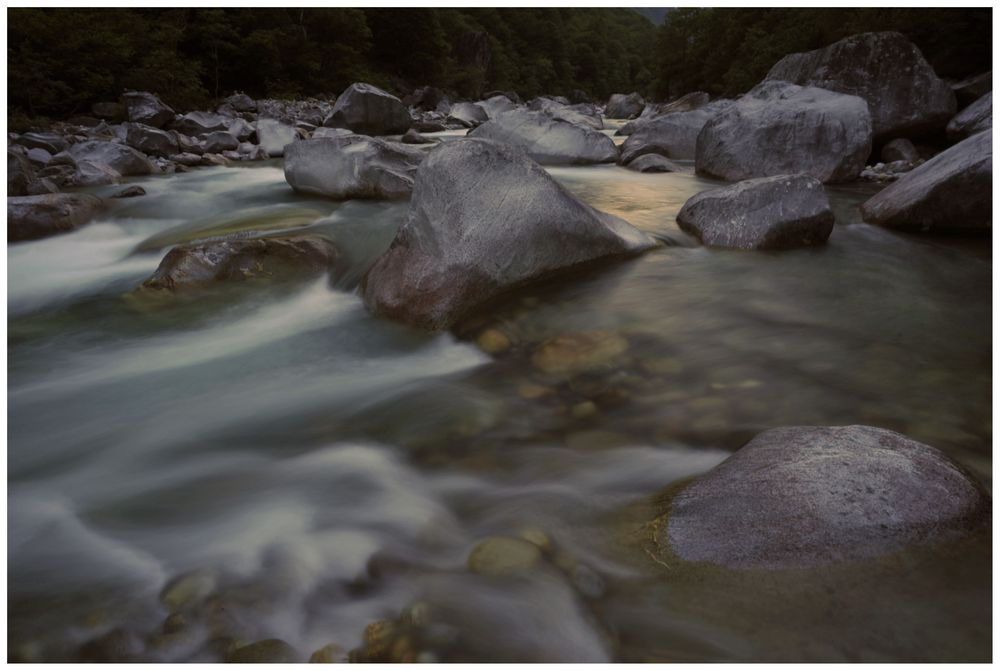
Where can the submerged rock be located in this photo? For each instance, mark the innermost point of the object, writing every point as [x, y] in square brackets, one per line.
[975, 118]
[353, 166]
[270, 651]
[203, 264]
[903, 93]
[577, 352]
[952, 191]
[367, 109]
[624, 106]
[501, 556]
[145, 108]
[124, 160]
[188, 589]
[781, 212]
[805, 496]
[34, 217]
[483, 219]
[548, 140]
[130, 192]
[672, 135]
[653, 163]
[779, 128]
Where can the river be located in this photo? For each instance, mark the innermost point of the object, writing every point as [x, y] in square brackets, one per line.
[328, 469]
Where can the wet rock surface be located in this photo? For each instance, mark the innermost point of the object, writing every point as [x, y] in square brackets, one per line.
[549, 140]
[782, 212]
[800, 497]
[34, 217]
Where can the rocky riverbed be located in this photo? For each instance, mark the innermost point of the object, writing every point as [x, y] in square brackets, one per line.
[371, 379]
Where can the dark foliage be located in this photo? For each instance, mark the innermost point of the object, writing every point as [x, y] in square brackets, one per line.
[60, 61]
[727, 51]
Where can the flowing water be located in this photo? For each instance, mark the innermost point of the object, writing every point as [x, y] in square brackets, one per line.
[312, 469]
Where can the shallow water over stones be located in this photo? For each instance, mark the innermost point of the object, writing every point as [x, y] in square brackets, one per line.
[328, 470]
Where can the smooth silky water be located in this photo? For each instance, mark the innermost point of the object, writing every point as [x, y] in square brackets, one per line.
[330, 469]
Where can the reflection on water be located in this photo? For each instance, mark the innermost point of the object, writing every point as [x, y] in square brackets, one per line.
[318, 469]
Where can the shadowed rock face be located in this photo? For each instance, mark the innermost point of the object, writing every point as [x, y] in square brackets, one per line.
[548, 140]
[149, 140]
[673, 135]
[780, 128]
[352, 166]
[781, 212]
[145, 108]
[975, 118]
[624, 106]
[949, 192]
[34, 217]
[904, 94]
[367, 109]
[798, 497]
[201, 265]
[483, 219]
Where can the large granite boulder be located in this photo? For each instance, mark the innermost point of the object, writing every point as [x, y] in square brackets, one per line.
[204, 264]
[241, 102]
[201, 123]
[364, 108]
[273, 136]
[121, 158]
[89, 173]
[218, 142]
[673, 135]
[904, 95]
[145, 108]
[467, 114]
[975, 118]
[22, 179]
[973, 88]
[780, 212]
[483, 219]
[34, 217]
[952, 191]
[780, 128]
[548, 140]
[353, 166]
[804, 496]
[624, 106]
[150, 140]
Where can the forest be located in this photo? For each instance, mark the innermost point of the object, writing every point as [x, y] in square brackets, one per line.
[61, 61]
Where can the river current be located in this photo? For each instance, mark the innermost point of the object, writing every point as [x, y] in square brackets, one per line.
[329, 469]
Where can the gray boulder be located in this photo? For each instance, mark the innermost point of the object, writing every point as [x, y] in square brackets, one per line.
[218, 142]
[34, 217]
[50, 142]
[202, 265]
[975, 118]
[145, 108]
[624, 106]
[149, 140]
[274, 135]
[903, 93]
[548, 140]
[201, 123]
[673, 135]
[20, 174]
[354, 166]
[782, 212]
[557, 110]
[800, 497]
[971, 89]
[241, 102]
[900, 149]
[653, 163]
[952, 191]
[485, 218]
[364, 108]
[497, 105]
[780, 128]
[39, 157]
[89, 173]
[467, 114]
[124, 160]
